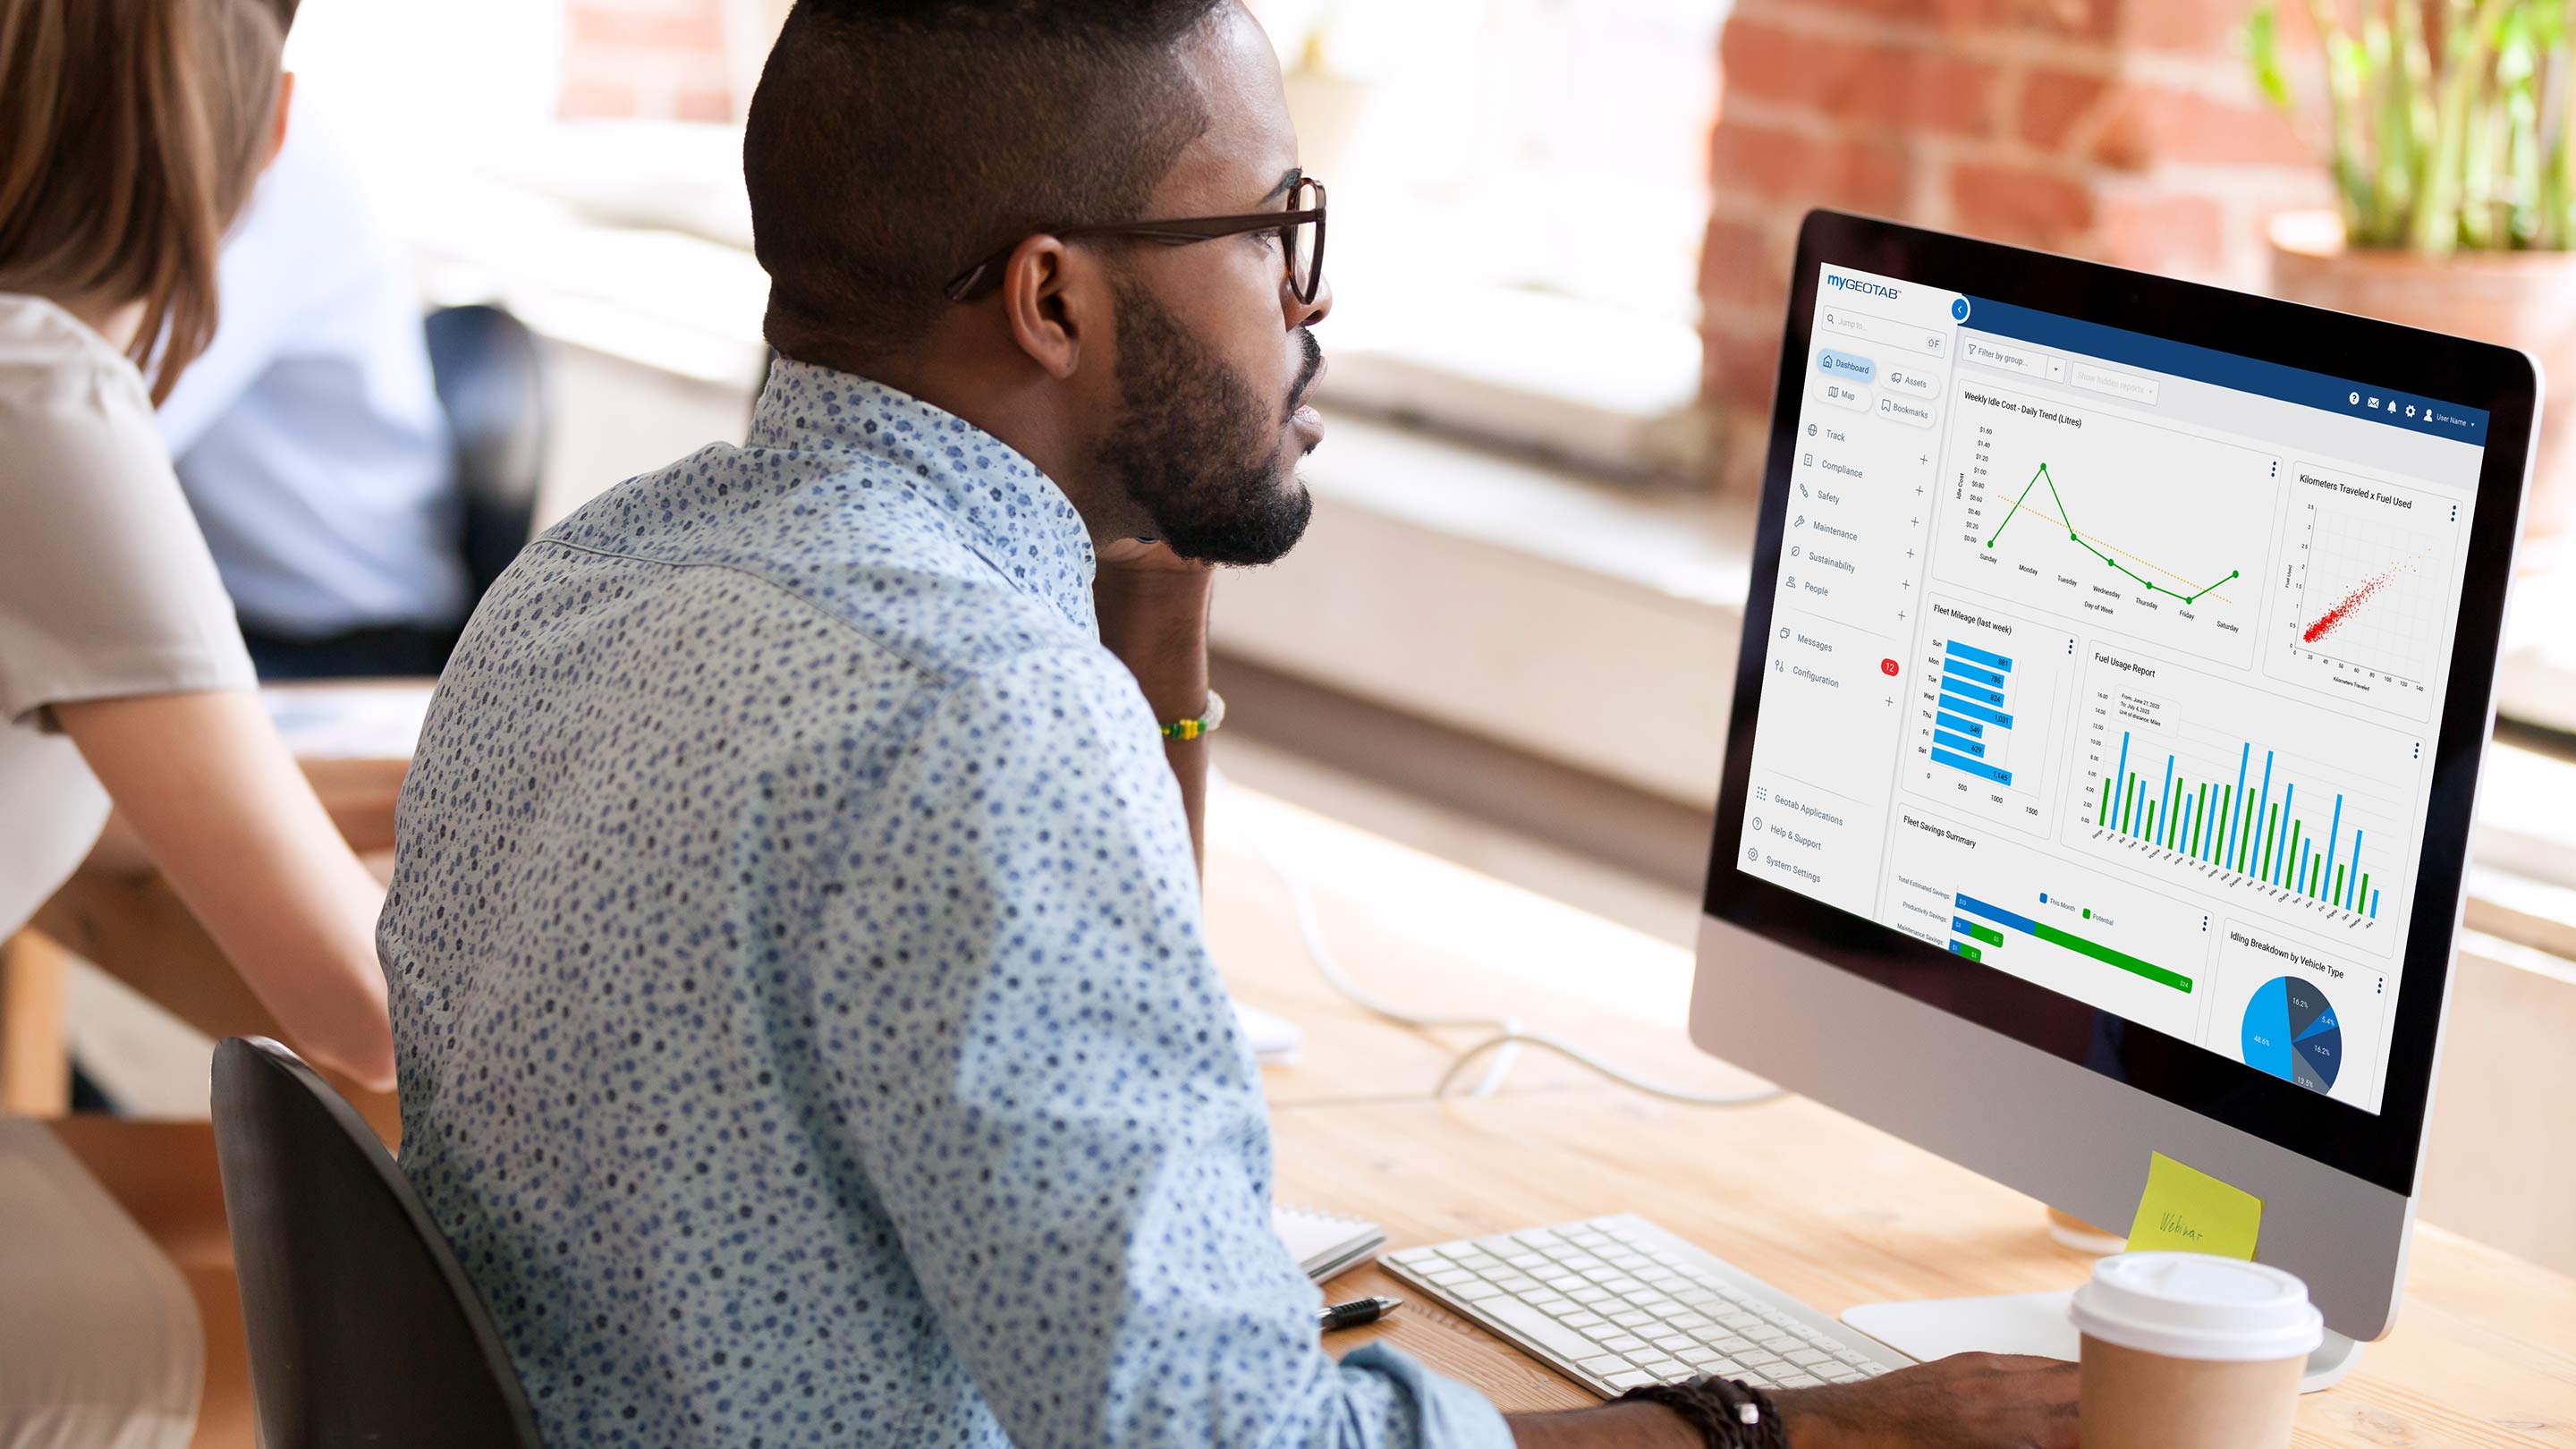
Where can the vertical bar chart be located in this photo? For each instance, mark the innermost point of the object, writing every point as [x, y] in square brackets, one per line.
[2181, 774]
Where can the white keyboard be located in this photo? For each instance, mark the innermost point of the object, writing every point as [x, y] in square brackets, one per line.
[1617, 1302]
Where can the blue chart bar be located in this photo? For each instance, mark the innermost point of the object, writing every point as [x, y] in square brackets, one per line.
[2120, 782]
[2374, 903]
[2352, 878]
[2165, 802]
[1977, 768]
[1995, 717]
[1974, 693]
[1971, 704]
[1974, 655]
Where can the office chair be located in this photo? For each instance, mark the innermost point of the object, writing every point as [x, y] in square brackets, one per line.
[363, 1330]
[484, 363]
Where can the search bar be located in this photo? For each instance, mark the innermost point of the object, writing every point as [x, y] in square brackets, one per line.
[1879, 329]
[2093, 377]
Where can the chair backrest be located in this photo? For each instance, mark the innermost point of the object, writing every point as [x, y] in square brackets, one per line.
[484, 363]
[363, 1329]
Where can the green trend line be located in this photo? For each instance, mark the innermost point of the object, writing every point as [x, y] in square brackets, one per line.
[2150, 585]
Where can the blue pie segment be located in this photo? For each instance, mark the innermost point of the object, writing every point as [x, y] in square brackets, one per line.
[2291, 1031]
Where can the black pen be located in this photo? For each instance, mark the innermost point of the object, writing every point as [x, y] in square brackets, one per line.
[1356, 1312]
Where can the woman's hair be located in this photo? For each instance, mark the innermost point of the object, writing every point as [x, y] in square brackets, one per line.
[131, 132]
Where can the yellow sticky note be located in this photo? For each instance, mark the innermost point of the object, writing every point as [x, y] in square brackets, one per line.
[2189, 1211]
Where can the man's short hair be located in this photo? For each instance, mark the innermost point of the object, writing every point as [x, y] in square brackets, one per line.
[892, 145]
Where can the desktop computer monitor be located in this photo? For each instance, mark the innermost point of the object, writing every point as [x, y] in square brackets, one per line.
[2115, 678]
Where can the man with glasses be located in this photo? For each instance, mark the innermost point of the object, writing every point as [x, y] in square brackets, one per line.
[805, 1027]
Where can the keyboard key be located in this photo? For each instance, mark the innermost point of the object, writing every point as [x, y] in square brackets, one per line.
[1582, 1320]
[1666, 1369]
[1593, 1295]
[1628, 1379]
[1479, 1293]
[1800, 1381]
[1540, 1329]
[1671, 1342]
[1624, 1343]
[1807, 1357]
[1687, 1320]
[1554, 1305]
[1608, 1363]
[1632, 1319]
[1843, 1374]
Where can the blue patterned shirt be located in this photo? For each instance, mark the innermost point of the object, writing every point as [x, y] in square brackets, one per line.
[805, 1027]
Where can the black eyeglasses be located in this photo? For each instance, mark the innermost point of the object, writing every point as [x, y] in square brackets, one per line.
[1300, 227]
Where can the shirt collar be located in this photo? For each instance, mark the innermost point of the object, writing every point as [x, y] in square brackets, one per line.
[1008, 512]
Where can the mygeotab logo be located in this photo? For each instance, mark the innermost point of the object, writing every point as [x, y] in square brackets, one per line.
[1855, 284]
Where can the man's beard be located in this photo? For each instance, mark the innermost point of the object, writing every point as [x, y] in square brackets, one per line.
[1194, 448]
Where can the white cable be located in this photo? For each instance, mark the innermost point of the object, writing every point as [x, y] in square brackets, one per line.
[1508, 1038]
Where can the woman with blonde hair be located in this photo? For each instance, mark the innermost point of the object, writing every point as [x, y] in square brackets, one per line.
[131, 132]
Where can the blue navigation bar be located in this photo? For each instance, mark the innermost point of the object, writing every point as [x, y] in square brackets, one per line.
[2342, 396]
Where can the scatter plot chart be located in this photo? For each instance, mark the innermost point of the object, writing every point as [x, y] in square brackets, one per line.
[2366, 590]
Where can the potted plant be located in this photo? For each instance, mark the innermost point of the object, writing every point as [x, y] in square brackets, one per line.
[2451, 133]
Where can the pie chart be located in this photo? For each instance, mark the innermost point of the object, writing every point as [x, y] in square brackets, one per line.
[2291, 1032]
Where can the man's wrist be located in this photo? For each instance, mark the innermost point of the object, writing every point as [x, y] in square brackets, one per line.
[1156, 622]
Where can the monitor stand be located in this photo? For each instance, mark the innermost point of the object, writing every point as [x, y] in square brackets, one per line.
[2033, 1323]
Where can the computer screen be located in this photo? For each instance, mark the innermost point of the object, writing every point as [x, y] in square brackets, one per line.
[2116, 664]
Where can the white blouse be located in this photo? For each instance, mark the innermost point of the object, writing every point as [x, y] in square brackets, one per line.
[106, 588]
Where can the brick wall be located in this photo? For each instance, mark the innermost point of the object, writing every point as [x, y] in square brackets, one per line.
[2122, 130]
[660, 60]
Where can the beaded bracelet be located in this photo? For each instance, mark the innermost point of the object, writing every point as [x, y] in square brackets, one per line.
[1728, 1414]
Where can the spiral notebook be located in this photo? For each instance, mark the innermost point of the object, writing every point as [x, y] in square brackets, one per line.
[1326, 1244]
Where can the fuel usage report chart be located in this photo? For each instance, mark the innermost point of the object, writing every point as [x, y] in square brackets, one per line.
[2123, 678]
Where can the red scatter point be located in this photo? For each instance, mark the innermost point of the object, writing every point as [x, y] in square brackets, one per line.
[2333, 618]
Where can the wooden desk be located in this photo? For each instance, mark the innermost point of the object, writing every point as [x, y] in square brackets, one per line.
[1838, 1214]
[1830, 1210]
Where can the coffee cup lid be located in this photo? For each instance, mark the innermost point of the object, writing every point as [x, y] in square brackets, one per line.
[2193, 1306]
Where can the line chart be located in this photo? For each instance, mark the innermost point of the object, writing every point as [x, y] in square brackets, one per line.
[2096, 519]
[2191, 596]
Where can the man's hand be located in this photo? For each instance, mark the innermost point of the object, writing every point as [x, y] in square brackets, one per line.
[1968, 1401]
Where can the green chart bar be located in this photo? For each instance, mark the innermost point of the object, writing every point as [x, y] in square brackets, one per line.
[2226, 814]
[2199, 822]
[2291, 858]
[2335, 891]
[2361, 893]
[2104, 819]
[2263, 862]
[2107, 955]
[2150, 832]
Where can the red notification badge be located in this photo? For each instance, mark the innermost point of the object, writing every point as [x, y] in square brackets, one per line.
[1887, 666]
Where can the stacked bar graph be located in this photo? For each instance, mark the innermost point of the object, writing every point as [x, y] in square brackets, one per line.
[1972, 718]
[2252, 825]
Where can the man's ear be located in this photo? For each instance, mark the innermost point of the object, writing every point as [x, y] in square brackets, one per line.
[1045, 291]
[285, 103]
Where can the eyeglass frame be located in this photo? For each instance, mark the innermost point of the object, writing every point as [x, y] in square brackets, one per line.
[985, 277]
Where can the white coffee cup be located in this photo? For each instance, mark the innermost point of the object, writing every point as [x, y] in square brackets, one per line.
[2187, 1351]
